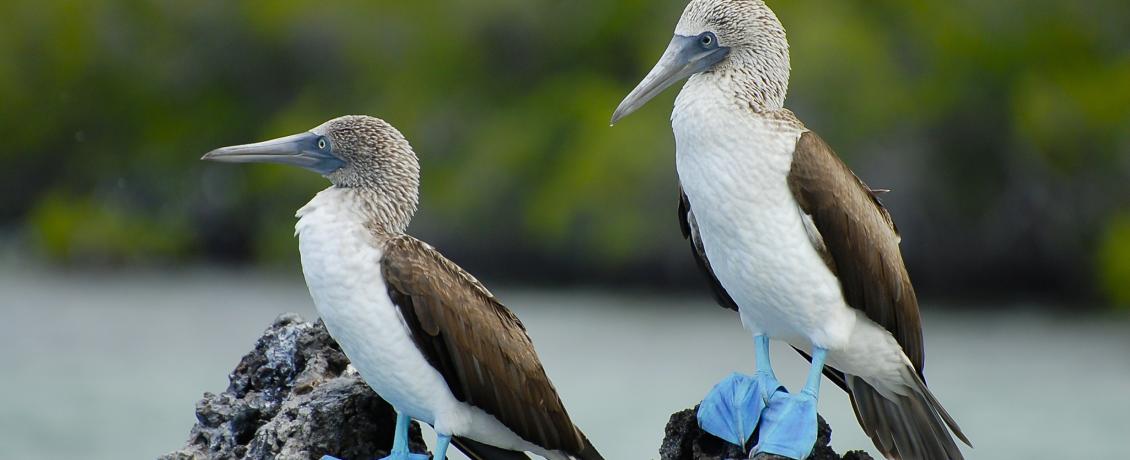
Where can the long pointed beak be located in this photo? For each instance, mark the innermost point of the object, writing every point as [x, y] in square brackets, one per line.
[306, 150]
[684, 57]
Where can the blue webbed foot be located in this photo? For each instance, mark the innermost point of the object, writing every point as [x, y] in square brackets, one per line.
[392, 456]
[733, 408]
[788, 425]
[406, 456]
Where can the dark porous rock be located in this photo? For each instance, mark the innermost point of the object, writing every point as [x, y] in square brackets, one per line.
[293, 397]
[684, 440]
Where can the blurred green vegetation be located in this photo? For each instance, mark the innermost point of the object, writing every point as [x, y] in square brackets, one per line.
[1003, 127]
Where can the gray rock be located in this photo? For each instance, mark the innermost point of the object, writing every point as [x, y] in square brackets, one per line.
[684, 440]
[293, 397]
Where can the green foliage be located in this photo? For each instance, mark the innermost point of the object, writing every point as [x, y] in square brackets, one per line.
[107, 106]
[1114, 260]
[83, 230]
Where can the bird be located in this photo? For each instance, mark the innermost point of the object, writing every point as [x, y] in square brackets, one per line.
[791, 239]
[426, 335]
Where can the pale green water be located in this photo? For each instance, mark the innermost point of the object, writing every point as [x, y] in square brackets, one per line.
[109, 367]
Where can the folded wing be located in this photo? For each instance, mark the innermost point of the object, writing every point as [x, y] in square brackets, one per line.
[479, 346]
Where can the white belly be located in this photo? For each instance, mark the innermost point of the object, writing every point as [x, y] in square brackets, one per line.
[734, 168]
[341, 264]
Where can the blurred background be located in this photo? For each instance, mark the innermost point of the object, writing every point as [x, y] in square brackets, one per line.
[134, 275]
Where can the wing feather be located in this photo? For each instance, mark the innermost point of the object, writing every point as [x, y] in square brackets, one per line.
[478, 345]
[859, 241]
[861, 245]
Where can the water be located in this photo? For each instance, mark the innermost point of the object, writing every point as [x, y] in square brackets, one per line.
[110, 366]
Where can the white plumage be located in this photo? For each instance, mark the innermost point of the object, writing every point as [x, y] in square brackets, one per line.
[341, 263]
[733, 164]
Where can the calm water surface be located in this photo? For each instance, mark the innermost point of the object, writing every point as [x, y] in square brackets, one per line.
[110, 366]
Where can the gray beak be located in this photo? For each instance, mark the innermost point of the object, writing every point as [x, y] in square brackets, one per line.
[685, 56]
[306, 150]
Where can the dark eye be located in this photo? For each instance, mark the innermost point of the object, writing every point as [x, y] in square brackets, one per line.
[708, 40]
[321, 143]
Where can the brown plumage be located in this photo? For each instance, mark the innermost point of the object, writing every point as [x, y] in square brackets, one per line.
[479, 346]
[859, 240]
[861, 243]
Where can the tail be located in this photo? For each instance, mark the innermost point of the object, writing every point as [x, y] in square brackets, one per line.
[913, 426]
[589, 452]
[478, 451]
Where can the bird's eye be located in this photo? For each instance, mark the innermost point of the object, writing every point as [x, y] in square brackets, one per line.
[707, 39]
[321, 143]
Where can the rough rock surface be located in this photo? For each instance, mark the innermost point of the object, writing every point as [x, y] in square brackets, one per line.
[293, 397]
[684, 440]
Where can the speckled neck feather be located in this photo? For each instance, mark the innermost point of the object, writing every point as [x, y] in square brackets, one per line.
[381, 169]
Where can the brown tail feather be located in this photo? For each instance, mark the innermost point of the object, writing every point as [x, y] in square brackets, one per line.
[910, 427]
[478, 451]
[589, 452]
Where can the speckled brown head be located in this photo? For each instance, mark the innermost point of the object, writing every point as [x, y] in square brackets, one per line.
[373, 153]
[355, 151]
[737, 44]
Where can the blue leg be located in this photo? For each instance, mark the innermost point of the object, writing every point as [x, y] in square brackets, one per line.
[733, 407]
[399, 442]
[788, 426]
[442, 441]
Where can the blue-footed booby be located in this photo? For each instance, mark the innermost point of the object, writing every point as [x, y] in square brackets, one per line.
[793, 241]
[423, 333]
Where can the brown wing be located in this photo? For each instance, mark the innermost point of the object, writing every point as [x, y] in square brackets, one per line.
[690, 232]
[477, 344]
[860, 242]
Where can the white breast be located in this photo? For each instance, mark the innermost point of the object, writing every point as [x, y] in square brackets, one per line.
[341, 263]
[733, 165]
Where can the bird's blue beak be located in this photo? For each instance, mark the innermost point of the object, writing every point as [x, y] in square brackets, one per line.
[306, 150]
[685, 56]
